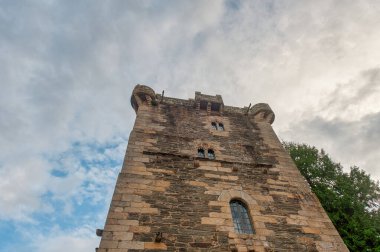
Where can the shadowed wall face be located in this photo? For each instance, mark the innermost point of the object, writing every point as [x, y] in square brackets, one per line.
[202, 176]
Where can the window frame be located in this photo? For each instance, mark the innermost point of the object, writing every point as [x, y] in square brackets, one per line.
[215, 107]
[201, 153]
[241, 217]
[220, 126]
[214, 125]
[203, 105]
[211, 154]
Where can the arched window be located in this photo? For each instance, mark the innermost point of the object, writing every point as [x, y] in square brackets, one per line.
[240, 217]
[201, 152]
[217, 126]
[213, 126]
[211, 154]
[221, 126]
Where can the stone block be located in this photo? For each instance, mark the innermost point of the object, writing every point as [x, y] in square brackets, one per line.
[131, 245]
[155, 246]
[309, 230]
[122, 236]
[139, 229]
[108, 244]
[212, 221]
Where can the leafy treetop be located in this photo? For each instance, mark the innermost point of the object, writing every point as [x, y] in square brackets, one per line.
[350, 199]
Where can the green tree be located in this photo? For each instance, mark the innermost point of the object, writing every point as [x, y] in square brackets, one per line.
[350, 199]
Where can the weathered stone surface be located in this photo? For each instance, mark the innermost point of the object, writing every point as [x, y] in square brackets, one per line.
[165, 187]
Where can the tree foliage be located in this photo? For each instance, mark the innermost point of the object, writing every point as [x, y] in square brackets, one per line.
[351, 199]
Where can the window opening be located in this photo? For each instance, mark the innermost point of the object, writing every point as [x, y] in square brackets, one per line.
[221, 126]
[201, 152]
[240, 217]
[203, 105]
[211, 154]
[215, 107]
[213, 125]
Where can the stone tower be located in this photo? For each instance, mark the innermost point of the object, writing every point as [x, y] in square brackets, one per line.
[202, 176]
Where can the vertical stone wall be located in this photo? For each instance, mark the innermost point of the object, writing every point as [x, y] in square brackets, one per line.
[169, 199]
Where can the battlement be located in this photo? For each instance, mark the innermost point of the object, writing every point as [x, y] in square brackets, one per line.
[144, 95]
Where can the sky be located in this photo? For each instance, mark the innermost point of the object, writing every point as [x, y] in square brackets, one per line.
[67, 70]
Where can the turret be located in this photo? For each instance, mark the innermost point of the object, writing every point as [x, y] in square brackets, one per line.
[142, 95]
[262, 112]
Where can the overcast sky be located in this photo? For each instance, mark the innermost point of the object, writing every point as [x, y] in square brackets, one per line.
[67, 69]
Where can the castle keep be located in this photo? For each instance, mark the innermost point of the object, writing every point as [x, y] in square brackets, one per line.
[202, 176]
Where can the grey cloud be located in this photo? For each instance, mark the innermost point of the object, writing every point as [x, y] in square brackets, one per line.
[354, 92]
[350, 143]
[345, 122]
[67, 69]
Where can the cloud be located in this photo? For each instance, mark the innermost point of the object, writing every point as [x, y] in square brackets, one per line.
[68, 68]
[48, 103]
[346, 123]
[85, 172]
[351, 143]
[355, 99]
[22, 188]
[77, 240]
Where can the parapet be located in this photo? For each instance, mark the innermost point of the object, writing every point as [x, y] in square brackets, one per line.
[211, 103]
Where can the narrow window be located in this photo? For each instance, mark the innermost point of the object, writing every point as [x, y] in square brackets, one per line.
[213, 126]
[221, 126]
[211, 154]
[201, 152]
[240, 217]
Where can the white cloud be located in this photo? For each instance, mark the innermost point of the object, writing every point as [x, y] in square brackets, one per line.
[26, 181]
[77, 240]
[21, 186]
[345, 123]
[68, 70]
[355, 99]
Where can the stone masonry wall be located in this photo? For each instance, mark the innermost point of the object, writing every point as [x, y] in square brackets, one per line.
[164, 187]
